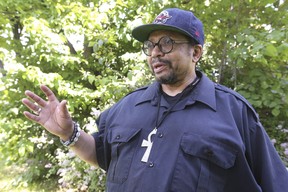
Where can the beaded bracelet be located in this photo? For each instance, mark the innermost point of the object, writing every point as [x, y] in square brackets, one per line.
[75, 136]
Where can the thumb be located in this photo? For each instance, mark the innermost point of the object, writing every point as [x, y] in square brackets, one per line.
[64, 110]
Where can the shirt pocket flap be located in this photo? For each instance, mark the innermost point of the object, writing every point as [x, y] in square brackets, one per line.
[208, 148]
[118, 135]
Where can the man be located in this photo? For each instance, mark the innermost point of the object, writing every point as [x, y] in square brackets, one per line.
[183, 133]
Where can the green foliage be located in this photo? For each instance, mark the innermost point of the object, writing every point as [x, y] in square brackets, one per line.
[75, 174]
[84, 51]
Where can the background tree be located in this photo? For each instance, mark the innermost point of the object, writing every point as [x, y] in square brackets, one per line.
[84, 51]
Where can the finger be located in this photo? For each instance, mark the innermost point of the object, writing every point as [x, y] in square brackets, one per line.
[32, 106]
[35, 98]
[32, 117]
[49, 94]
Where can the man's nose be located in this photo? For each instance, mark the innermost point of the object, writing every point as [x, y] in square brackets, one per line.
[156, 52]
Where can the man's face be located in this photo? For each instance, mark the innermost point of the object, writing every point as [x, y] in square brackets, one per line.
[174, 67]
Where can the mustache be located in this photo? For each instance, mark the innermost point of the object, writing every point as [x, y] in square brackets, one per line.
[158, 60]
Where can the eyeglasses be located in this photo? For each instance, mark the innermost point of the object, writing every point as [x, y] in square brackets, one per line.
[165, 45]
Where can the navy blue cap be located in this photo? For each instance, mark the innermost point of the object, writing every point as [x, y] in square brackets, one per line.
[173, 19]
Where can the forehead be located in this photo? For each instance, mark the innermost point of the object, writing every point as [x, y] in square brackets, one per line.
[155, 35]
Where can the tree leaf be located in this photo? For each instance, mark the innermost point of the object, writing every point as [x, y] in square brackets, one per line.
[271, 50]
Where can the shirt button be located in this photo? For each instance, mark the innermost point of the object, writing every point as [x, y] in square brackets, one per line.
[118, 137]
[151, 164]
[160, 135]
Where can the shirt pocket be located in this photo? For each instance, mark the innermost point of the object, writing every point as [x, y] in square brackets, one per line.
[211, 149]
[213, 156]
[123, 145]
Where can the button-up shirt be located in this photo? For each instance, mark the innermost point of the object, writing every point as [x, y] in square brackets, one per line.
[211, 140]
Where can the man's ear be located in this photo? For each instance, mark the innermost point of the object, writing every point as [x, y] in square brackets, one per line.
[197, 53]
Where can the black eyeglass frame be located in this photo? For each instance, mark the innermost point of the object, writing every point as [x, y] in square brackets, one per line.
[160, 46]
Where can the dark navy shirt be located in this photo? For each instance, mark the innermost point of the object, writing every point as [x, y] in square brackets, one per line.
[211, 140]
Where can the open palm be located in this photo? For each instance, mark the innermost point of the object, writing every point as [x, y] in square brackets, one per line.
[51, 114]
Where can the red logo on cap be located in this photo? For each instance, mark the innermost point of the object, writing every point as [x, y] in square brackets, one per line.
[197, 33]
[162, 17]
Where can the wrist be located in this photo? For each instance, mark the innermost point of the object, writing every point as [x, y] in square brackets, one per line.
[69, 133]
[74, 137]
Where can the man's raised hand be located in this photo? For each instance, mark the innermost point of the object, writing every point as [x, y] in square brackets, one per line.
[51, 114]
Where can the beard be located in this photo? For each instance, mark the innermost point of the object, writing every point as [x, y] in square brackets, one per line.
[169, 79]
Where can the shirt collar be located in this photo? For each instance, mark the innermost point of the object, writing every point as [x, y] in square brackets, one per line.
[150, 94]
[204, 92]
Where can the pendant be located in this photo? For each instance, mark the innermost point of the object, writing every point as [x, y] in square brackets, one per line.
[148, 143]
